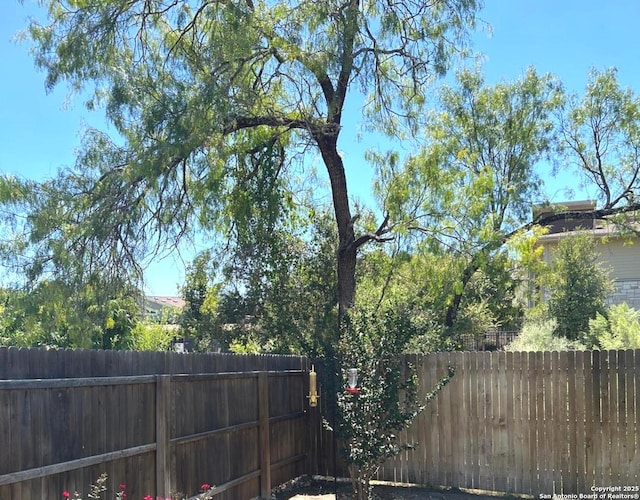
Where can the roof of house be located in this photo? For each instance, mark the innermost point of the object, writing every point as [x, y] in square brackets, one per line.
[165, 301]
[558, 229]
[568, 223]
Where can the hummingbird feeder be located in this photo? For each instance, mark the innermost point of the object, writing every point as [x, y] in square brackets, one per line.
[352, 381]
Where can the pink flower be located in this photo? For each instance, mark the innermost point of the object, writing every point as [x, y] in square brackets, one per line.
[205, 487]
[148, 497]
[123, 486]
[66, 494]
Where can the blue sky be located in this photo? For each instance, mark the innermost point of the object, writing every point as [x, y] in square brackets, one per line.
[39, 132]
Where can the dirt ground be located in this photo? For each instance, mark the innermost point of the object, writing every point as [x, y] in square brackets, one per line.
[325, 489]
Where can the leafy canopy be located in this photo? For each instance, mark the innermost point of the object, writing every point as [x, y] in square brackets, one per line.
[214, 104]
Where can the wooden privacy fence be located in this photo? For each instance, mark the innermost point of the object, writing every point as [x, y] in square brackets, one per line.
[526, 423]
[240, 431]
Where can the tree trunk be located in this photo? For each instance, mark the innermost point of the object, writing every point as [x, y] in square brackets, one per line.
[451, 316]
[347, 250]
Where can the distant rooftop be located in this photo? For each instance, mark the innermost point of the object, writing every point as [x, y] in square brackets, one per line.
[166, 301]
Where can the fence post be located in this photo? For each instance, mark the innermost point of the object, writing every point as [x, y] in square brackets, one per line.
[265, 449]
[163, 473]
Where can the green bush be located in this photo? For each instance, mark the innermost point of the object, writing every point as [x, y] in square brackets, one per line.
[537, 334]
[151, 337]
[619, 329]
[369, 422]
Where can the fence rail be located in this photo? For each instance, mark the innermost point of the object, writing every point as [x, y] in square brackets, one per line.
[158, 434]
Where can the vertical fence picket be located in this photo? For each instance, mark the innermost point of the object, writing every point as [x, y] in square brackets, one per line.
[618, 416]
[458, 410]
[592, 421]
[485, 480]
[163, 415]
[465, 437]
[499, 430]
[263, 415]
[474, 422]
[444, 417]
[579, 422]
[516, 441]
[632, 398]
[511, 423]
[536, 420]
[545, 466]
[551, 423]
[608, 415]
[434, 422]
[570, 476]
[600, 388]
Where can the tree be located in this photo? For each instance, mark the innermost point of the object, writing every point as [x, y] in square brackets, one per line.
[601, 142]
[66, 297]
[601, 135]
[426, 281]
[577, 286]
[281, 296]
[55, 314]
[470, 189]
[207, 95]
[200, 294]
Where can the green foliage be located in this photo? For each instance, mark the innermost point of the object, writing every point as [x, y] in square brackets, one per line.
[369, 423]
[601, 134]
[427, 280]
[151, 337]
[618, 329]
[200, 293]
[537, 334]
[54, 314]
[215, 105]
[246, 346]
[282, 298]
[577, 285]
[470, 188]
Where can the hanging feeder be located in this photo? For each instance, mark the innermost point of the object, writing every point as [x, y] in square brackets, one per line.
[313, 388]
[352, 381]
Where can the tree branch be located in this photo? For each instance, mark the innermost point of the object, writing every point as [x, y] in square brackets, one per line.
[377, 236]
[244, 122]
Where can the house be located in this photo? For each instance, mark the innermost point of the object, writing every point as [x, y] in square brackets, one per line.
[162, 308]
[619, 254]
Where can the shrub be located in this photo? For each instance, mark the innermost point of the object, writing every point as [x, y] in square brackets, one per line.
[151, 337]
[619, 329]
[370, 421]
[537, 334]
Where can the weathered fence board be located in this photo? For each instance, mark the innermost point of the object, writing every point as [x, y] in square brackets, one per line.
[526, 423]
[530, 423]
[156, 422]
